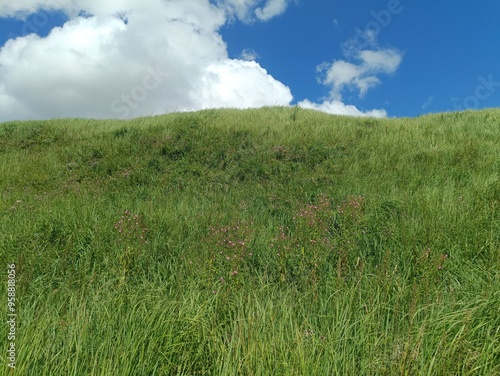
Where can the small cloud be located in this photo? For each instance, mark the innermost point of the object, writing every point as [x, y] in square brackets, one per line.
[249, 54]
[240, 9]
[336, 23]
[362, 40]
[428, 102]
[360, 70]
[272, 9]
[384, 61]
[249, 11]
[362, 76]
[337, 107]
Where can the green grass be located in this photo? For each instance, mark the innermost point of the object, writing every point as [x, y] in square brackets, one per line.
[277, 241]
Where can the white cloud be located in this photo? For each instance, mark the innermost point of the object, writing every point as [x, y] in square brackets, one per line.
[383, 61]
[272, 9]
[168, 56]
[428, 102]
[337, 107]
[249, 54]
[339, 74]
[243, 80]
[363, 76]
[251, 10]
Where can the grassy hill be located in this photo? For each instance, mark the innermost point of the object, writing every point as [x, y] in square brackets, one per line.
[277, 241]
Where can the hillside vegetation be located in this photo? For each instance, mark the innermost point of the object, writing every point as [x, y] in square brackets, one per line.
[275, 241]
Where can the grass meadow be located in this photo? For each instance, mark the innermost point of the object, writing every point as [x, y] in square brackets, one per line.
[274, 241]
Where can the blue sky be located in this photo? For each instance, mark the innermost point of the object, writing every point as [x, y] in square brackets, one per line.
[396, 58]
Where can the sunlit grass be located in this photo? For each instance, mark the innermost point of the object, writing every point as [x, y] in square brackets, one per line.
[274, 241]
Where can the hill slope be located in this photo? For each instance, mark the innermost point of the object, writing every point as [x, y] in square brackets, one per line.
[270, 241]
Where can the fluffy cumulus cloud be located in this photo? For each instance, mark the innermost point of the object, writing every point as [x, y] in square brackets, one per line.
[131, 58]
[244, 81]
[360, 76]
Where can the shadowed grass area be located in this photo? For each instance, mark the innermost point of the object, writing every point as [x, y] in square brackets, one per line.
[273, 241]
